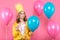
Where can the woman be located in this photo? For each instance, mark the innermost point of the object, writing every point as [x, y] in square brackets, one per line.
[20, 29]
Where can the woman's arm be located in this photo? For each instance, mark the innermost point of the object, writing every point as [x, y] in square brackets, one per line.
[15, 31]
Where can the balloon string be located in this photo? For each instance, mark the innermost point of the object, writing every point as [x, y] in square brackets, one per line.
[6, 33]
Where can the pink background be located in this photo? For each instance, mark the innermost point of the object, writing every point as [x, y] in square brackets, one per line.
[28, 6]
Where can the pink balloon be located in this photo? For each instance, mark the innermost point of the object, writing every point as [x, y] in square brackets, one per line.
[38, 7]
[53, 29]
[6, 15]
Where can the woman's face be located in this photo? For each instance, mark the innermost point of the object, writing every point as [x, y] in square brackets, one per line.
[22, 15]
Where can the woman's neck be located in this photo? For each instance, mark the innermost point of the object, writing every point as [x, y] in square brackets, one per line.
[21, 20]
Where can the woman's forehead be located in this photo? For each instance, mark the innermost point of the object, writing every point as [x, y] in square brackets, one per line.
[22, 12]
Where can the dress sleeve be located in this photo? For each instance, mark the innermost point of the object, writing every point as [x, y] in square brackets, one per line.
[28, 32]
[14, 32]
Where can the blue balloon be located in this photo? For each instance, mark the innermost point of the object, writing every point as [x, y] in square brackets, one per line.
[49, 9]
[33, 23]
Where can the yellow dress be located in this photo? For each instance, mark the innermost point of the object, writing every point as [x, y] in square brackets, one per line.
[17, 34]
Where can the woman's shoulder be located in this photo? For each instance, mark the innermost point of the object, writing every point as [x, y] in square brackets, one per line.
[15, 24]
[26, 22]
